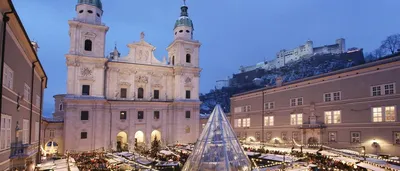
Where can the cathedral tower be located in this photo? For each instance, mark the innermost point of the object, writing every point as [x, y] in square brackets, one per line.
[85, 60]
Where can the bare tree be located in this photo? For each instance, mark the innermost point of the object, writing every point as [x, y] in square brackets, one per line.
[391, 43]
[378, 53]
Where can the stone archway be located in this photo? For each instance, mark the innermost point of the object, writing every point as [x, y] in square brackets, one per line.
[122, 141]
[51, 147]
[155, 134]
[139, 137]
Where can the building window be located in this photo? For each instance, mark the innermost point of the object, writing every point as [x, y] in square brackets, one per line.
[25, 131]
[246, 122]
[269, 121]
[187, 94]
[332, 136]
[156, 94]
[355, 137]
[8, 77]
[173, 60]
[384, 114]
[246, 108]
[387, 89]
[37, 101]
[284, 136]
[296, 119]
[36, 131]
[123, 93]
[156, 115]
[188, 58]
[295, 136]
[238, 123]
[27, 92]
[140, 93]
[258, 137]
[269, 105]
[396, 138]
[237, 109]
[88, 45]
[52, 131]
[122, 115]
[187, 114]
[83, 135]
[296, 101]
[61, 107]
[85, 90]
[332, 117]
[334, 96]
[140, 115]
[5, 134]
[84, 115]
[268, 135]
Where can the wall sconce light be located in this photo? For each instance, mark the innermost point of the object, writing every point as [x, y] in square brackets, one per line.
[375, 143]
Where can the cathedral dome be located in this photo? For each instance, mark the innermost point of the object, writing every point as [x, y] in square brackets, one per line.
[96, 3]
[184, 20]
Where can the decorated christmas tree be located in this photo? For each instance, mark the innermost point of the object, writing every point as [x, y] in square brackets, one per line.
[155, 147]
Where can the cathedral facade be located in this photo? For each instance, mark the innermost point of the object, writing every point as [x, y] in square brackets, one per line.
[117, 101]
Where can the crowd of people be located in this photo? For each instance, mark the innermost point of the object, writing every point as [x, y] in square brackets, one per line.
[91, 161]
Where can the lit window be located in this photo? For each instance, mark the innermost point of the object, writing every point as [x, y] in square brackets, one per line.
[27, 92]
[246, 122]
[384, 114]
[332, 117]
[296, 119]
[269, 121]
[238, 123]
[355, 137]
[8, 77]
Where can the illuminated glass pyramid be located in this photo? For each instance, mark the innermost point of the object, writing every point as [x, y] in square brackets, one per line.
[217, 148]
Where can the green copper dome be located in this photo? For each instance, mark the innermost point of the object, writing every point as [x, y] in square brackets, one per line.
[96, 3]
[184, 20]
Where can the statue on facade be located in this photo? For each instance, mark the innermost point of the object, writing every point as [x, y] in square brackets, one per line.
[134, 95]
[142, 36]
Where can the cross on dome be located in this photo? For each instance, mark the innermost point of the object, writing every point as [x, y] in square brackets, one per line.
[184, 2]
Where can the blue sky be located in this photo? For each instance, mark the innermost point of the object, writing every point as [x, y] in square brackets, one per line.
[232, 32]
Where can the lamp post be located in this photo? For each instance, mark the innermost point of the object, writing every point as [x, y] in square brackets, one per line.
[363, 152]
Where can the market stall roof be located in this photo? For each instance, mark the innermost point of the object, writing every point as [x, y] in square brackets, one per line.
[370, 167]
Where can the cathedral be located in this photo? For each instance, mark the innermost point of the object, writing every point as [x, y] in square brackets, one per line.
[116, 102]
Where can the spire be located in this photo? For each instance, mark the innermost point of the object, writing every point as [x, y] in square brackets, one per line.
[96, 3]
[217, 147]
[184, 10]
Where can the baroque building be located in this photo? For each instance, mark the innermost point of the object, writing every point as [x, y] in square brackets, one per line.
[356, 108]
[113, 102]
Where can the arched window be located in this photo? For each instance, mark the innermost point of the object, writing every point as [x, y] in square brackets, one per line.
[88, 45]
[140, 93]
[61, 107]
[188, 58]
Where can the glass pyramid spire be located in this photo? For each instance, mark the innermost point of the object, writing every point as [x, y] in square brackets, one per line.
[217, 148]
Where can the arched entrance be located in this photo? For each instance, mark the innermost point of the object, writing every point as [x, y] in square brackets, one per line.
[312, 141]
[155, 134]
[122, 141]
[139, 137]
[51, 147]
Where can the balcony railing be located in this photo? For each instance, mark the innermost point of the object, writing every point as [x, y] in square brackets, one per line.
[20, 150]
